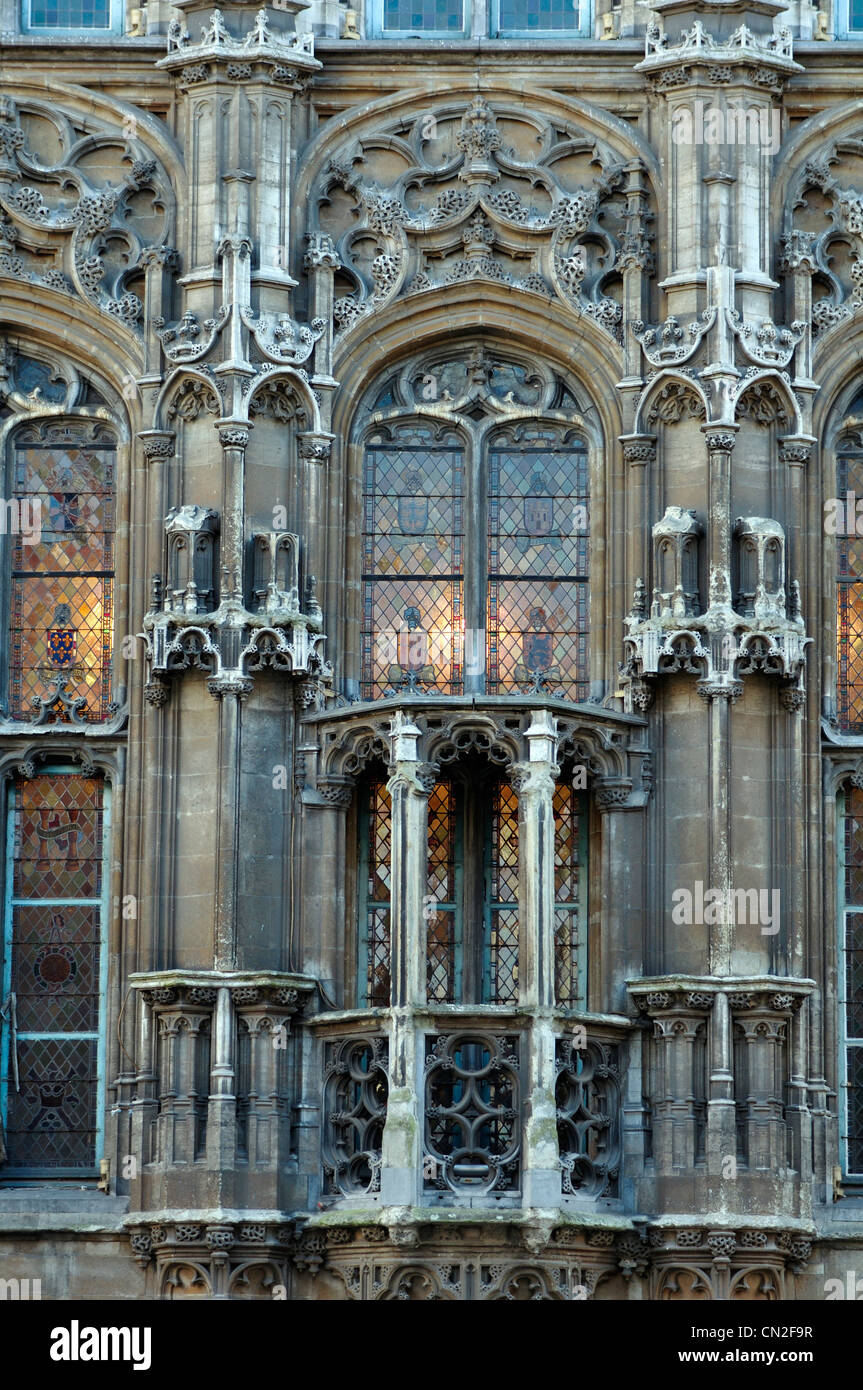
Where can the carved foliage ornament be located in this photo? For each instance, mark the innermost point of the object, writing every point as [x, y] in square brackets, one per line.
[99, 240]
[425, 210]
[833, 255]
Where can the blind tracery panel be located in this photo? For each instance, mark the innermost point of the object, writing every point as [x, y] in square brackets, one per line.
[53, 965]
[61, 628]
[412, 570]
[538, 570]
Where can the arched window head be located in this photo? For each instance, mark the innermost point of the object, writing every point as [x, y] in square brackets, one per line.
[476, 532]
[60, 572]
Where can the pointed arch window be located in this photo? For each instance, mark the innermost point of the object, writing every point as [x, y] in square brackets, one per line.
[61, 573]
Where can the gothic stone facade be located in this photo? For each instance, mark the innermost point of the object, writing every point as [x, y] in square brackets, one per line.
[432, 738]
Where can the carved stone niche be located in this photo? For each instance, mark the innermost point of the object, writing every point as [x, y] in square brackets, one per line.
[191, 532]
[760, 569]
[675, 557]
[276, 572]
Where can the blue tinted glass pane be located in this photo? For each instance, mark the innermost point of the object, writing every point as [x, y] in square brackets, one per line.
[70, 14]
[855, 14]
[423, 14]
[546, 14]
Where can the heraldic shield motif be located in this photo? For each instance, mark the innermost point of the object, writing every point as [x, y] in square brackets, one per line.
[537, 645]
[538, 507]
[62, 640]
[413, 505]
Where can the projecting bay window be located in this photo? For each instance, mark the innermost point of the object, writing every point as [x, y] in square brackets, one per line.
[472, 903]
[471, 890]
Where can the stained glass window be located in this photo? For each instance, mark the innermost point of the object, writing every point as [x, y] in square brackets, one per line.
[412, 570]
[501, 955]
[471, 903]
[374, 923]
[851, 980]
[570, 895]
[538, 16]
[441, 16]
[849, 634]
[67, 14]
[443, 901]
[855, 16]
[538, 553]
[53, 966]
[61, 627]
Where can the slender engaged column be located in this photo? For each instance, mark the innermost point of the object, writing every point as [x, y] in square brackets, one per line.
[534, 782]
[409, 786]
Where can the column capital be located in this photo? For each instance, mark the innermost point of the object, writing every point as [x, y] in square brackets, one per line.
[404, 737]
[541, 736]
[531, 779]
[720, 441]
[639, 450]
[418, 778]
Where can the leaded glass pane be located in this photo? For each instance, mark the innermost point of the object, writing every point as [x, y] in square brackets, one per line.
[61, 626]
[412, 633]
[51, 1120]
[69, 14]
[53, 967]
[446, 15]
[569, 888]
[502, 986]
[375, 928]
[855, 1110]
[853, 847]
[58, 838]
[442, 909]
[854, 975]
[538, 15]
[538, 568]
